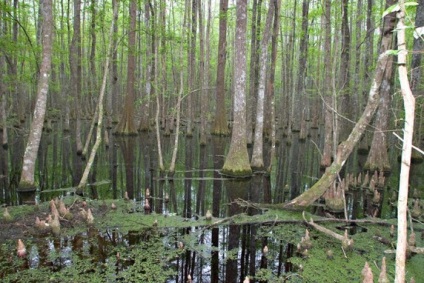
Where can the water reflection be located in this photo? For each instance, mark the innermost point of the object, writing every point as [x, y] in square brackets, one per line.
[225, 253]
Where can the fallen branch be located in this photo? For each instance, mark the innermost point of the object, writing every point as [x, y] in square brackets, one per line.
[347, 243]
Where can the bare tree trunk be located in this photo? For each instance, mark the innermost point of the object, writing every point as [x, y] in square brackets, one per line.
[254, 61]
[220, 126]
[83, 182]
[36, 129]
[257, 162]
[126, 124]
[205, 72]
[408, 130]
[237, 159]
[345, 107]
[3, 113]
[274, 44]
[144, 122]
[328, 101]
[192, 78]
[378, 158]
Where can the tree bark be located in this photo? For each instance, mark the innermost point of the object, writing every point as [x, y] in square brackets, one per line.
[378, 158]
[257, 162]
[36, 129]
[237, 159]
[408, 130]
[220, 126]
[75, 66]
[126, 125]
[327, 152]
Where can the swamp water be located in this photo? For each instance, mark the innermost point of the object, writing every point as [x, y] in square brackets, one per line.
[174, 240]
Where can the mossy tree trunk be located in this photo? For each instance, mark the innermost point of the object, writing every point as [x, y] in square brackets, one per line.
[237, 159]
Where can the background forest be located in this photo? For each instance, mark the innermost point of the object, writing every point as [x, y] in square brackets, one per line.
[319, 61]
[269, 74]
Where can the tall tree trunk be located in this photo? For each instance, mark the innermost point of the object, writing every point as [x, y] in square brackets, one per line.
[257, 162]
[327, 152]
[345, 106]
[220, 126]
[192, 78]
[378, 158]
[75, 66]
[237, 159]
[205, 57]
[271, 90]
[144, 122]
[408, 130]
[126, 124]
[254, 73]
[27, 182]
[300, 105]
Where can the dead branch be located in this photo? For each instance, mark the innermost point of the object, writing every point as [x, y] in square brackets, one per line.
[346, 242]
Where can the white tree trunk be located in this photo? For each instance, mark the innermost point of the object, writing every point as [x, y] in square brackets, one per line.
[409, 105]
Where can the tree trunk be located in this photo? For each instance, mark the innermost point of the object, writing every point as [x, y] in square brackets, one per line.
[220, 126]
[257, 162]
[408, 130]
[237, 159]
[378, 158]
[345, 102]
[75, 66]
[126, 125]
[346, 147]
[300, 105]
[254, 62]
[327, 152]
[27, 182]
[144, 122]
[192, 77]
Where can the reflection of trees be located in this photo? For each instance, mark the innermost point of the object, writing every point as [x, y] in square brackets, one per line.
[235, 188]
[127, 145]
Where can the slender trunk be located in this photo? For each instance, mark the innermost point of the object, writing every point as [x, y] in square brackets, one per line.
[257, 162]
[408, 130]
[328, 104]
